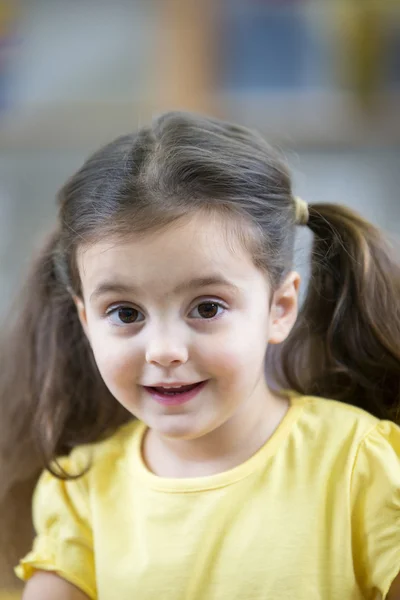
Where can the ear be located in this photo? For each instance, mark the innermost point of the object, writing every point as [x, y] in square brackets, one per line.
[81, 310]
[284, 308]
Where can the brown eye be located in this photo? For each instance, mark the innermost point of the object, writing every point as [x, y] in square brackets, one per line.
[125, 315]
[208, 310]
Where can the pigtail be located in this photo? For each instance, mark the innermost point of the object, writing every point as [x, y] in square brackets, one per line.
[51, 397]
[346, 342]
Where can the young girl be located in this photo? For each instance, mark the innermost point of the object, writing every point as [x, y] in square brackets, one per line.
[135, 374]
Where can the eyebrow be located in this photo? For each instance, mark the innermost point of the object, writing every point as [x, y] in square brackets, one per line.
[107, 287]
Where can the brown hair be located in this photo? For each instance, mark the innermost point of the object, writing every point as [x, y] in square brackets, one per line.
[345, 344]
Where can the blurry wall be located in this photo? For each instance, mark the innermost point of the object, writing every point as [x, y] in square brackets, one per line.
[75, 74]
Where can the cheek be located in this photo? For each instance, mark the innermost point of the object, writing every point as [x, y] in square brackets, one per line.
[237, 353]
[115, 360]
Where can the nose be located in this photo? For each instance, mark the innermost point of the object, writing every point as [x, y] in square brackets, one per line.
[166, 350]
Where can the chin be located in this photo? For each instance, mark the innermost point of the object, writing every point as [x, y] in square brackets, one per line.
[180, 427]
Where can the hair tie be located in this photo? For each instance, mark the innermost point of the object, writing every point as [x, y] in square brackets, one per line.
[301, 211]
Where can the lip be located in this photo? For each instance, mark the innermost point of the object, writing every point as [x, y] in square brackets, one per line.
[177, 400]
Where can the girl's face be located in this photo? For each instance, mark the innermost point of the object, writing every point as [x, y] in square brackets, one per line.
[179, 307]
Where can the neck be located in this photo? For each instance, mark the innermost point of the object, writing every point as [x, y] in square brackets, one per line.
[222, 449]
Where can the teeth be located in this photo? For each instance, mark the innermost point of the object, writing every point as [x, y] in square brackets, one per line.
[164, 387]
[170, 387]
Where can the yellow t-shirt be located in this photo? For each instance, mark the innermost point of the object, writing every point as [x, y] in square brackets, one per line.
[314, 514]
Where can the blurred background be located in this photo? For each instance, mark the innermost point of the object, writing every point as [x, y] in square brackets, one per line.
[319, 78]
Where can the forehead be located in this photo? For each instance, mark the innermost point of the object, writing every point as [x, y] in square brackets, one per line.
[188, 248]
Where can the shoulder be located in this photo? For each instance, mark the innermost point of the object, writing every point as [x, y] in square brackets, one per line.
[334, 417]
[105, 455]
[335, 428]
[89, 465]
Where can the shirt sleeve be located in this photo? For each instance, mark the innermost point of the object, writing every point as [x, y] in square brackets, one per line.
[63, 543]
[375, 495]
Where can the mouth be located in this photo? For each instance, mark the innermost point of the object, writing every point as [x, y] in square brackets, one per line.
[176, 395]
